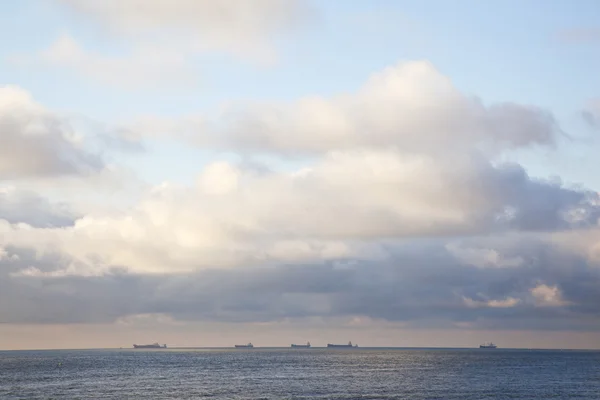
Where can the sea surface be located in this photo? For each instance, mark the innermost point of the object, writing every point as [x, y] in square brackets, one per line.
[300, 374]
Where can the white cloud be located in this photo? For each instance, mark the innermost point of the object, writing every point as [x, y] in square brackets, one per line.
[504, 303]
[243, 28]
[154, 44]
[485, 258]
[338, 209]
[145, 66]
[411, 106]
[547, 296]
[220, 178]
[406, 156]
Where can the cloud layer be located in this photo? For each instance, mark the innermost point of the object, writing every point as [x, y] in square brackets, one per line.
[402, 210]
[421, 284]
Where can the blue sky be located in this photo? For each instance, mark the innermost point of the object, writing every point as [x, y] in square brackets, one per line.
[237, 147]
[497, 49]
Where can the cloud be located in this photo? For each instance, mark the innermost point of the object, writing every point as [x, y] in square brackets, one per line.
[547, 296]
[591, 114]
[155, 44]
[484, 258]
[406, 156]
[410, 106]
[19, 206]
[419, 284]
[245, 29]
[340, 208]
[506, 303]
[402, 212]
[35, 142]
[145, 66]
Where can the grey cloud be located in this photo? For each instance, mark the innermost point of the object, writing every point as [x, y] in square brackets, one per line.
[521, 126]
[40, 156]
[28, 207]
[589, 118]
[36, 143]
[491, 197]
[121, 139]
[104, 136]
[591, 115]
[31, 299]
[541, 205]
[421, 284]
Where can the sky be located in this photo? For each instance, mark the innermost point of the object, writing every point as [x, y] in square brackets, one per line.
[394, 173]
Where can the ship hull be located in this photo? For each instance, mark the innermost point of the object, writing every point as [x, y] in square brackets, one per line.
[149, 346]
[300, 346]
[341, 346]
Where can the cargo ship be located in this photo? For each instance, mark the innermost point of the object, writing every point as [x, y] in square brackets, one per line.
[149, 346]
[244, 346]
[349, 345]
[489, 345]
[302, 346]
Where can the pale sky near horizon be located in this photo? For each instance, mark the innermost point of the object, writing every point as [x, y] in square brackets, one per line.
[205, 173]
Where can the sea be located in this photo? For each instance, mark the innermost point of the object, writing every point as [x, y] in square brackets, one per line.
[262, 373]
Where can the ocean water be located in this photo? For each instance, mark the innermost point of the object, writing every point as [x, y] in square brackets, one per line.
[300, 374]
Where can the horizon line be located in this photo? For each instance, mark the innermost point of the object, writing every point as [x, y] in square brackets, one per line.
[312, 347]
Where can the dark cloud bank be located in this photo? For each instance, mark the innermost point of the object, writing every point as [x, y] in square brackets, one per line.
[420, 283]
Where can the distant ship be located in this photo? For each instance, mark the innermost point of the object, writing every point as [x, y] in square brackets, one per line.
[244, 346]
[342, 345]
[489, 345]
[149, 346]
[304, 346]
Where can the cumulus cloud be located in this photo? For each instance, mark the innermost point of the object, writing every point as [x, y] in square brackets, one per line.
[414, 158]
[34, 142]
[334, 210]
[410, 106]
[547, 296]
